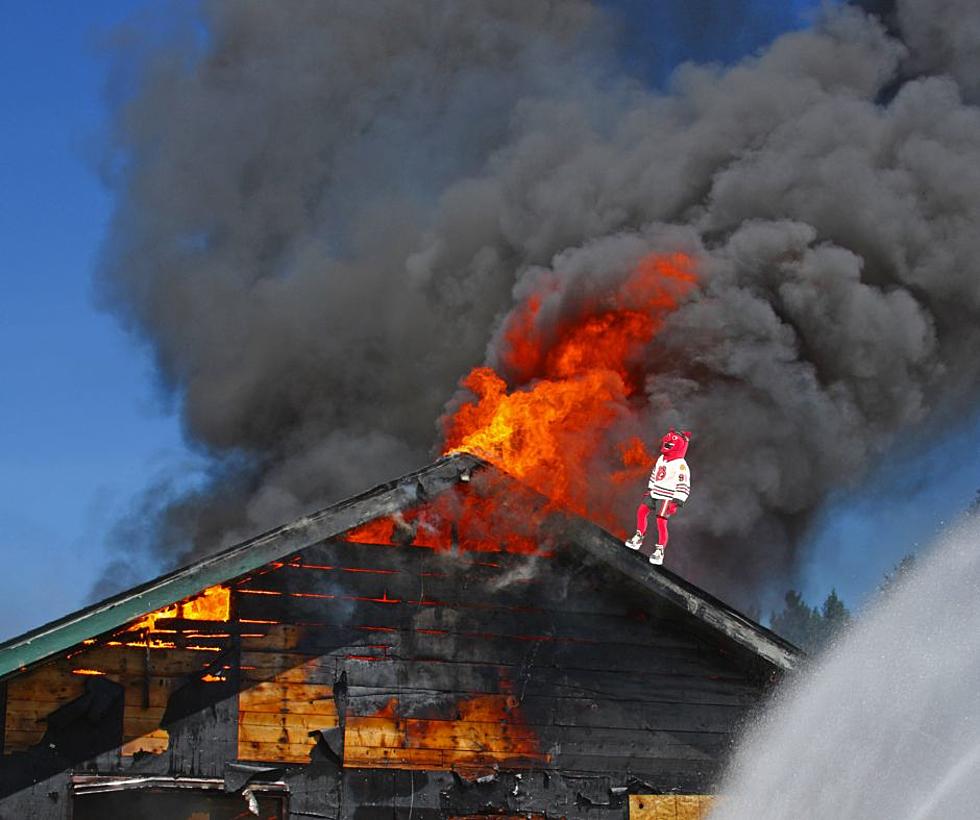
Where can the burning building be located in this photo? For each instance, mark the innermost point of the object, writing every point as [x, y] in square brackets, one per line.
[444, 645]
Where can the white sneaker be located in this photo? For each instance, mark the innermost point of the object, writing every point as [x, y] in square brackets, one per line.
[657, 556]
[635, 542]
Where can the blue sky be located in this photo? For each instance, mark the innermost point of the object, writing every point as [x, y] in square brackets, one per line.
[83, 426]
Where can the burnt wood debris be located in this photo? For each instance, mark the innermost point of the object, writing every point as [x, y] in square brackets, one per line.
[386, 657]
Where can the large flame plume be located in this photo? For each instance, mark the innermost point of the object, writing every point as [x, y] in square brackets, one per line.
[568, 385]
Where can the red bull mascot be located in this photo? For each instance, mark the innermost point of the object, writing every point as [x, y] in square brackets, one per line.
[670, 485]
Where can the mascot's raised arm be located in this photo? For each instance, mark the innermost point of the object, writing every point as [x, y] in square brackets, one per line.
[668, 490]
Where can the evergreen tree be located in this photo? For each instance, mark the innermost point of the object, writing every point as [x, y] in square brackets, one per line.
[810, 628]
[797, 622]
[834, 616]
[834, 611]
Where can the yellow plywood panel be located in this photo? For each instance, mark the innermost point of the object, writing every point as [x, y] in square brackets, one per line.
[293, 730]
[274, 752]
[282, 733]
[689, 806]
[31, 697]
[35, 694]
[45, 685]
[15, 740]
[276, 715]
[148, 676]
[669, 806]
[485, 731]
[647, 807]
[299, 698]
[309, 723]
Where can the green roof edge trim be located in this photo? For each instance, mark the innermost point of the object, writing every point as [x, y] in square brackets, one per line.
[118, 610]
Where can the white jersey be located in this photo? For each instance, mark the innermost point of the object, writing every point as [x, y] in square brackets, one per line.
[670, 479]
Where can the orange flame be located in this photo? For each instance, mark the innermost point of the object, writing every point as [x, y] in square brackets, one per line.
[214, 604]
[468, 520]
[574, 384]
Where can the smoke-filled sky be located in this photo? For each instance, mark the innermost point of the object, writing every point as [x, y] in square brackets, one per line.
[320, 216]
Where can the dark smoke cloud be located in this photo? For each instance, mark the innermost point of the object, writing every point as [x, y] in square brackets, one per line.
[324, 213]
[275, 181]
[944, 38]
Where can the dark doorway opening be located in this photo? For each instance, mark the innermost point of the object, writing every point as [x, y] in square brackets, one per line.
[156, 803]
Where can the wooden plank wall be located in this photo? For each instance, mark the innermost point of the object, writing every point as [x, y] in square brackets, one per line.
[148, 678]
[670, 806]
[150, 659]
[279, 706]
[419, 659]
[470, 662]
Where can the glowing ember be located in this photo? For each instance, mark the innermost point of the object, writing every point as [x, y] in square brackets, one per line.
[214, 604]
[469, 520]
[572, 385]
[379, 531]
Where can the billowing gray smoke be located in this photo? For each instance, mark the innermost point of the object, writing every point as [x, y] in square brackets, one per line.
[325, 210]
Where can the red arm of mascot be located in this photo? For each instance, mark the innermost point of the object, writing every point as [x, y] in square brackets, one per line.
[668, 490]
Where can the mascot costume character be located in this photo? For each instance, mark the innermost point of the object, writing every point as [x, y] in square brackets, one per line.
[670, 486]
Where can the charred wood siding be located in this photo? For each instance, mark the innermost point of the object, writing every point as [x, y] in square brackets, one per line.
[372, 675]
[279, 708]
[467, 662]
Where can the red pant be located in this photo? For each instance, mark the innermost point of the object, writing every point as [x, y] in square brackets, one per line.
[664, 509]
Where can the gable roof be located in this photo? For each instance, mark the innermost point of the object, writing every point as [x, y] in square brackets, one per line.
[384, 500]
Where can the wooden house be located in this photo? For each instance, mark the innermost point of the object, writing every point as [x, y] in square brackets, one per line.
[442, 646]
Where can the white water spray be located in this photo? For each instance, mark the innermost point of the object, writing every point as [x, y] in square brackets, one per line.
[887, 725]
